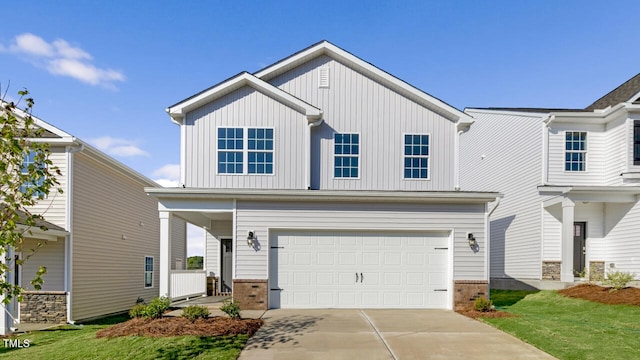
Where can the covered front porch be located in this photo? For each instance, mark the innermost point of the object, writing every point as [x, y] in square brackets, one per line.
[577, 223]
[215, 219]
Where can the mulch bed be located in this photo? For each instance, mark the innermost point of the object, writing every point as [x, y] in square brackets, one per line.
[627, 296]
[179, 326]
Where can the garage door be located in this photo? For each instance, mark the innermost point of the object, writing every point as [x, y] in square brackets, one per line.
[358, 270]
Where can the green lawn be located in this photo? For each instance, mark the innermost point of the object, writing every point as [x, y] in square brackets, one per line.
[570, 328]
[80, 342]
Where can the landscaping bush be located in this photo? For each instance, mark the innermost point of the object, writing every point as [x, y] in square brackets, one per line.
[157, 307]
[138, 311]
[231, 308]
[618, 279]
[195, 312]
[483, 304]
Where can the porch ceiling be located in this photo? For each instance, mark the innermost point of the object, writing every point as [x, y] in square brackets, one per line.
[604, 194]
[203, 219]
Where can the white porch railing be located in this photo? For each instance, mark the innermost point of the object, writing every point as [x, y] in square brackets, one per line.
[187, 283]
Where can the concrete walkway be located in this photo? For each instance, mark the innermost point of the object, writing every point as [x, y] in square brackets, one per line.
[381, 334]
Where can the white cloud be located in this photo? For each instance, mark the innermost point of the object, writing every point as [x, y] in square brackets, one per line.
[195, 240]
[63, 59]
[118, 147]
[168, 175]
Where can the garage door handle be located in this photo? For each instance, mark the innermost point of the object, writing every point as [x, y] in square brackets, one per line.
[356, 278]
[439, 289]
[361, 278]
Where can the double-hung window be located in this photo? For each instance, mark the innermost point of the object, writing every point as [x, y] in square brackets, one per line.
[148, 271]
[346, 153]
[575, 158]
[416, 156]
[636, 142]
[239, 146]
[28, 161]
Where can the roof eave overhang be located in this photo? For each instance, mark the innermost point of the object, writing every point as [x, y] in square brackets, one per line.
[178, 111]
[324, 195]
[596, 117]
[613, 194]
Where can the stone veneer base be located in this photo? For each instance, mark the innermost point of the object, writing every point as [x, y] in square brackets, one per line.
[43, 307]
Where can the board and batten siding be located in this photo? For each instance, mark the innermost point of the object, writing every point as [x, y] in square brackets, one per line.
[356, 103]
[264, 217]
[54, 206]
[115, 225]
[245, 107]
[51, 256]
[503, 152]
[595, 165]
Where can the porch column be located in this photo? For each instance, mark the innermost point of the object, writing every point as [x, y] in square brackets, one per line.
[165, 253]
[6, 311]
[568, 217]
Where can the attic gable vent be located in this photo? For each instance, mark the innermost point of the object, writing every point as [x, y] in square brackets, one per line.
[323, 77]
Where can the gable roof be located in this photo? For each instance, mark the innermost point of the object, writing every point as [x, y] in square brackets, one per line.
[177, 111]
[324, 47]
[629, 91]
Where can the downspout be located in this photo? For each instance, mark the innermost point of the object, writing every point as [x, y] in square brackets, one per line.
[68, 244]
[487, 236]
[318, 120]
[545, 149]
[457, 160]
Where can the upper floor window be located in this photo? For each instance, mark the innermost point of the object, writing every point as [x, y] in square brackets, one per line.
[416, 156]
[30, 185]
[346, 153]
[237, 146]
[575, 157]
[636, 142]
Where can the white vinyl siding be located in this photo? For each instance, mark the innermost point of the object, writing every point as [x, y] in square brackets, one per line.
[220, 229]
[622, 226]
[503, 152]
[357, 102]
[178, 243]
[53, 206]
[108, 269]
[595, 164]
[264, 217]
[51, 256]
[246, 108]
[615, 151]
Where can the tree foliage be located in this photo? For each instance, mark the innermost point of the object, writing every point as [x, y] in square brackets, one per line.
[21, 187]
[194, 263]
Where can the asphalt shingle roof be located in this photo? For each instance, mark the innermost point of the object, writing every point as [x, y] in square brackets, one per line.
[622, 93]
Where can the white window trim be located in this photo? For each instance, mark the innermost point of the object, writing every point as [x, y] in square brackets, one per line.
[333, 149]
[402, 157]
[245, 150]
[152, 271]
[585, 152]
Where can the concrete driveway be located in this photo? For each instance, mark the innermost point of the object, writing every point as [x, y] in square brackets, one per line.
[381, 334]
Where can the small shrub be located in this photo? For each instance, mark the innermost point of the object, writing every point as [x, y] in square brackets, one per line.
[618, 279]
[231, 308]
[195, 312]
[157, 307]
[138, 311]
[483, 304]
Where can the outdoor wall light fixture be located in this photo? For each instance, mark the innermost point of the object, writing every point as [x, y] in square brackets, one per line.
[250, 238]
[472, 241]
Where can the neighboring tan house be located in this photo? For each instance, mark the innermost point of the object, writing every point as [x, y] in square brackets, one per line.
[571, 181]
[325, 182]
[101, 250]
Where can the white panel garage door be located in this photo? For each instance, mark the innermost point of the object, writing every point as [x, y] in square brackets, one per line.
[358, 270]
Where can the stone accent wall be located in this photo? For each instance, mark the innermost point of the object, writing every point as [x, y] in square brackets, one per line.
[596, 270]
[551, 270]
[251, 294]
[43, 307]
[465, 292]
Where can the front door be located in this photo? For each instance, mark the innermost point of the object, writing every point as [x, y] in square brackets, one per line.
[579, 247]
[226, 258]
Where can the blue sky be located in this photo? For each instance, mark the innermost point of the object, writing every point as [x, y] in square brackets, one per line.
[105, 71]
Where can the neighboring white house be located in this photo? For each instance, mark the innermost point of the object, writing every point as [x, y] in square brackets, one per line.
[325, 182]
[571, 181]
[101, 250]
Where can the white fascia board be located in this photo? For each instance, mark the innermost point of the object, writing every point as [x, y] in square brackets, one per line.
[178, 111]
[325, 195]
[540, 114]
[64, 136]
[393, 82]
[596, 117]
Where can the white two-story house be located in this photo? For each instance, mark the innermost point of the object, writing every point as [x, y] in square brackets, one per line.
[571, 181]
[325, 182]
[101, 248]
